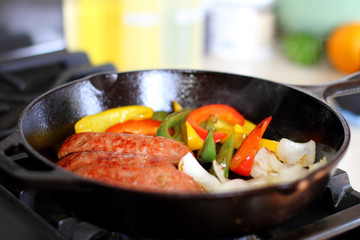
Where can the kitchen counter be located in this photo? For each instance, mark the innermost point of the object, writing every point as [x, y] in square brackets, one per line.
[279, 69]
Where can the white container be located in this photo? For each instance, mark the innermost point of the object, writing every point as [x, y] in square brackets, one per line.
[241, 29]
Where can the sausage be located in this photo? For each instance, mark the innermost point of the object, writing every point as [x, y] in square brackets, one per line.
[158, 146]
[75, 160]
[156, 179]
[135, 171]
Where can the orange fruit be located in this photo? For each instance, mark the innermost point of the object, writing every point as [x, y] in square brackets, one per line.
[343, 48]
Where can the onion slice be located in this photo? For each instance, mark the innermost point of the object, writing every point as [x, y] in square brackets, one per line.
[232, 186]
[219, 171]
[293, 152]
[189, 165]
[291, 173]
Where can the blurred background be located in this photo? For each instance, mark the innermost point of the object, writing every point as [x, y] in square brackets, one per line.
[309, 36]
[289, 41]
[140, 34]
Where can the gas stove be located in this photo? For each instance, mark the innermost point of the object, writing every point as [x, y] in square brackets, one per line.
[24, 79]
[26, 72]
[32, 214]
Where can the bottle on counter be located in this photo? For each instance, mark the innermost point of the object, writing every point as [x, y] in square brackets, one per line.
[182, 33]
[139, 34]
[90, 26]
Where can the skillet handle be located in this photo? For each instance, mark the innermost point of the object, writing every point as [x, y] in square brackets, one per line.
[18, 164]
[344, 86]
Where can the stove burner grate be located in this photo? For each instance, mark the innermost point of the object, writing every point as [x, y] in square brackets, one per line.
[23, 80]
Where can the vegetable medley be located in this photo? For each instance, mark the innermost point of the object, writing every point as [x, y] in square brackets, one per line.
[228, 151]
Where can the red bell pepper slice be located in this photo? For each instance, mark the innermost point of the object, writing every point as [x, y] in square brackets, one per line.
[221, 111]
[242, 161]
[144, 126]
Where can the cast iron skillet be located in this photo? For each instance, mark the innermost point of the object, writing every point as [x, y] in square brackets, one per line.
[299, 113]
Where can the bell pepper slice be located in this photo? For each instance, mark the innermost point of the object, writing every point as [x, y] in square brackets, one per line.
[176, 106]
[208, 151]
[242, 161]
[172, 120]
[224, 127]
[269, 144]
[220, 111]
[101, 121]
[246, 128]
[194, 142]
[144, 126]
[160, 115]
[179, 132]
[225, 154]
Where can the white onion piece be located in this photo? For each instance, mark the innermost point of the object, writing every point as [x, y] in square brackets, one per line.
[272, 178]
[189, 165]
[219, 171]
[291, 173]
[268, 160]
[232, 185]
[292, 152]
[318, 164]
[257, 171]
[262, 158]
[275, 162]
[259, 181]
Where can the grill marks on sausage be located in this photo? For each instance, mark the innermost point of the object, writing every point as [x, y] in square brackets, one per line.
[90, 156]
[143, 172]
[79, 159]
[158, 146]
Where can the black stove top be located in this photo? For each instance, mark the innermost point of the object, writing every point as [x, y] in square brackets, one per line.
[21, 81]
[24, 79]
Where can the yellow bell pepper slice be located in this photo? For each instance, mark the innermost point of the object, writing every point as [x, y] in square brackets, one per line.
[241, 132]
[194, 141]
[223, 125]
[269, 144]
[176, 106]
[239, 137]
[246, 128]
[99, 122]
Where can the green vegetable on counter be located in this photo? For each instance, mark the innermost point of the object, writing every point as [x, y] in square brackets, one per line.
[302, 48]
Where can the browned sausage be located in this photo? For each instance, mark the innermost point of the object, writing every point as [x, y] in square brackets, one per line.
[73, 161]
[141, 172]
[158, 146]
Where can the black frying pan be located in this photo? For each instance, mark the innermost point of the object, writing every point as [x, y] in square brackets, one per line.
[299, 113]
